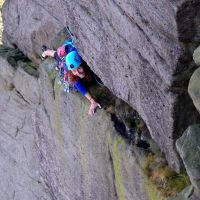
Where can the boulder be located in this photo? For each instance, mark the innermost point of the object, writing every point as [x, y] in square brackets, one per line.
[194, 88]
[196, 56]
[188, 147]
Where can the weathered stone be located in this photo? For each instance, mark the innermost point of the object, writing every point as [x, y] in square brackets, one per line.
[19, 166]
[6, 75]
[189, 149]
[27, 86]
[196, 56]
[55, 150]
[194, 88]
[136, 48]
[187, 194]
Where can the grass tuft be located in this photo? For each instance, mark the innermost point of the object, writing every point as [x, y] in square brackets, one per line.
[165, 179]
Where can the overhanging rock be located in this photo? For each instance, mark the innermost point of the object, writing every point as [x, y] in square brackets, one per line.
[138, 48]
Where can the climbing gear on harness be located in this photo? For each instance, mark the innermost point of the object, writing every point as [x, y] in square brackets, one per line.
[61, 74]
[72, 38]
[66, 29]
[72, 57]
[61, 51]
[73, 60]
[69, 87]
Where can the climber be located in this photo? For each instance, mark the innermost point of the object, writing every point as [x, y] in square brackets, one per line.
[75, 71]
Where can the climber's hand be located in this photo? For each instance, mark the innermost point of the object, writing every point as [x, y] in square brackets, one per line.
[93, 106]
[48, 53]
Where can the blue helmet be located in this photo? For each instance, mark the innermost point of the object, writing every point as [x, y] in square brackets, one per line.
[73, 60]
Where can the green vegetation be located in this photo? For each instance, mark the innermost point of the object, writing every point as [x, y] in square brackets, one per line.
[163, 178]
[30, 68]
[153, 192]
[103, 96]
[58, 123]
[52, 76]
[162, 182]
[116, 143]
[118, 170]
[13, 55]
[17, 59]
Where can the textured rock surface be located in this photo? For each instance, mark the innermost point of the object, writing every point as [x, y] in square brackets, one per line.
[194, 88]
[133, 46]
[188, 194]
[189, 150]
[53, 150]
[1, 22]
[19, 168]
[196, 56]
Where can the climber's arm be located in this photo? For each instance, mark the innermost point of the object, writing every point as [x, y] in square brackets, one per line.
[81, 88]
[93, 104]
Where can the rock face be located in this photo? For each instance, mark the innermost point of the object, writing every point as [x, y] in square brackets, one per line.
[138, 48]
[53, 150]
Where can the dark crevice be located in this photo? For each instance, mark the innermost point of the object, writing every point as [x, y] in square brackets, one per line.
[188, 17]
[22, 97]
[127, 121]
[14, 46]
[183, 118]
[131, 135]
[119, 126]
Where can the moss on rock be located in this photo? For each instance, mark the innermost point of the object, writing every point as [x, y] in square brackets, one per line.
[30, 68]
[115, 143]
[163, 178]
[152, 191]
[17, 59]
